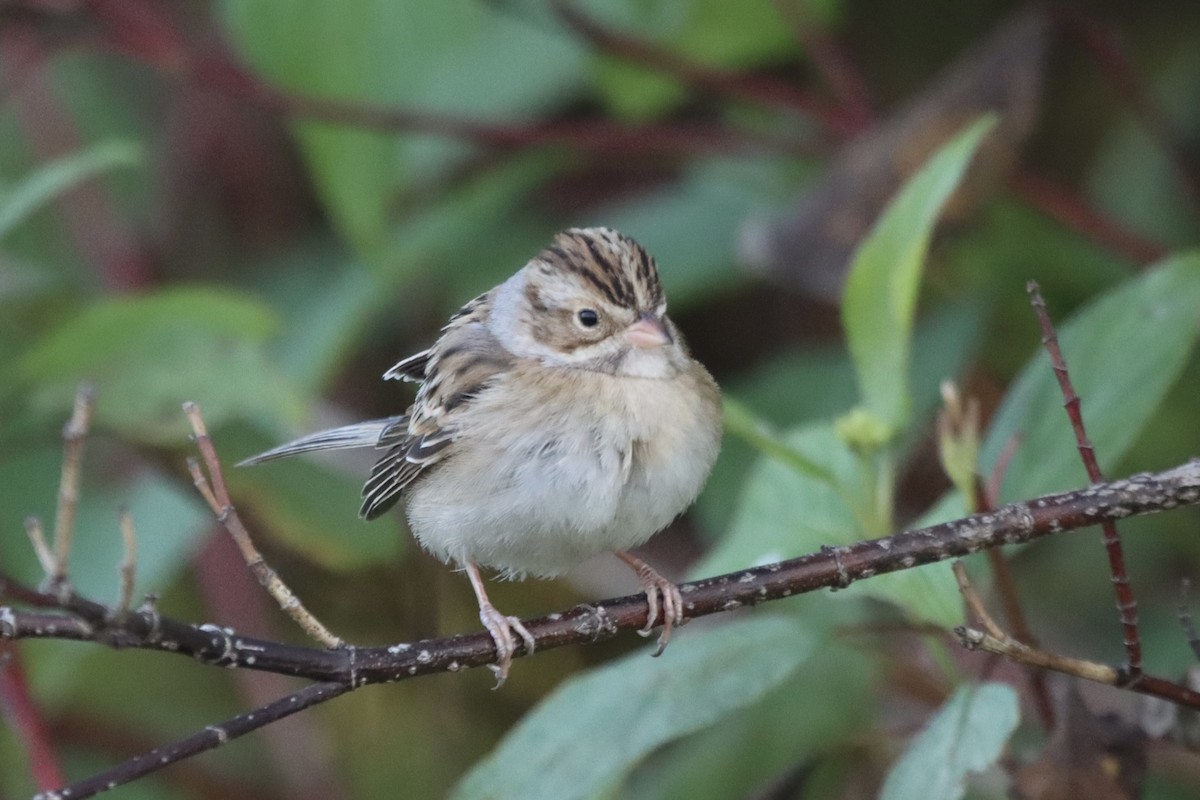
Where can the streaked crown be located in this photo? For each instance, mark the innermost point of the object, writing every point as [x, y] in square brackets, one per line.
[618, 268]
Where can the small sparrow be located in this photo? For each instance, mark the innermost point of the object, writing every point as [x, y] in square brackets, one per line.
[559, 416]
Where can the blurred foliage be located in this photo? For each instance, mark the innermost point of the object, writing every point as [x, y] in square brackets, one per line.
[261, 206]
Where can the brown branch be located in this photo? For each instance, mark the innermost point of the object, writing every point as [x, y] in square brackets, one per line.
[760, 89]
[986, 495]
[1073, 212]
[347, 668]
[217, 497]
[74, 436]
[994, 640]
[831, 567]
[1126, 603]
[211, 737]
[1106, 48]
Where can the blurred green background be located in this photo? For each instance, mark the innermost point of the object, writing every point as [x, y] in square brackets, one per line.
[261, 206]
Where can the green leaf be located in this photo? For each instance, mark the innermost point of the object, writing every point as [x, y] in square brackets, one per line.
[51, 180]
[469, 59]
[755, 745]
[1124, 351]
[967, 735]
[784, 513]
[584, 738]
[881, 289]
[149, 354]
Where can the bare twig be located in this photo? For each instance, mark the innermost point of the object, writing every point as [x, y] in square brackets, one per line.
[74, 436]
[1126, 603]
[994, 640]
[217, 497]
[128, 566]
[211, 737]
[986, 495]
[37, 538]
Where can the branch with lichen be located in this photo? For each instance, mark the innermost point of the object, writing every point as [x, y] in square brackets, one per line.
[55, 611]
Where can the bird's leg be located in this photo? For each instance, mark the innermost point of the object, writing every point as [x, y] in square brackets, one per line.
[656, 586]
[500, 627]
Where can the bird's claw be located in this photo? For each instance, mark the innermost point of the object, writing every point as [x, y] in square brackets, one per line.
[502, 628]
[659, 589]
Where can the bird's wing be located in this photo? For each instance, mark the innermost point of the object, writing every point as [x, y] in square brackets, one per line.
[465, 360]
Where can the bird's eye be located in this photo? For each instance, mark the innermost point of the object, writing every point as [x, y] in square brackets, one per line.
[588, 318]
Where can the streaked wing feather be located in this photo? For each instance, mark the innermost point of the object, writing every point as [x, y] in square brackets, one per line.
[411, 369]
[465, 360]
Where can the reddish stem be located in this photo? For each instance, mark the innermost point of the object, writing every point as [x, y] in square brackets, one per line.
[1126, 603]
[1072, 211]
[26, 720]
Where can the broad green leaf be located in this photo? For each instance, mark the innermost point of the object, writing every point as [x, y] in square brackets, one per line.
[148, 354]
[805, 385]
[51, 180]
[583, 739]
[804, 718]
[468, 59]
[1124, 351]
[784, 513]
[881, 289]
[967, 735]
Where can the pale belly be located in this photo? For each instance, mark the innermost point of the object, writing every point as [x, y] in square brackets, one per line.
[541, 500]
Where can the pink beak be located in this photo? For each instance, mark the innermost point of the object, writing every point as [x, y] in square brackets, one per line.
[648, 331]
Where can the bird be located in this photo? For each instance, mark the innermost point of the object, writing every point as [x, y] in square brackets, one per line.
[558, 416]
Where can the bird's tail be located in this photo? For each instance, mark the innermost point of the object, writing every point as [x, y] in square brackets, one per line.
[375, 433]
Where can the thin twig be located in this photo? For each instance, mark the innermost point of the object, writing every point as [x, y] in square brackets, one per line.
[218, 499]
[760, 89]
[127, 569]
[1106, 48]
[834, 66]
[37, 538]
[24, 718]
[74, 436]
[994, 640]
[1072, 211]
[211, 737]
[986, 495]
[1126, 603]
[1023, 654]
